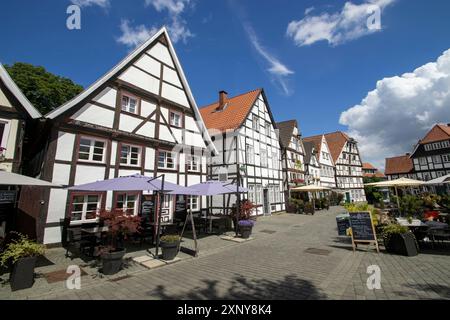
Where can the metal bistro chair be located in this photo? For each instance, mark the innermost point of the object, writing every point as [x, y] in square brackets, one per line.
[85, 244]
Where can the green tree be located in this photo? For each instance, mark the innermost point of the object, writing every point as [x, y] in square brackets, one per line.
[373, 195]
[45, 90]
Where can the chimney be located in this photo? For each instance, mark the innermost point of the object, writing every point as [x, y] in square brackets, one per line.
[223, 100]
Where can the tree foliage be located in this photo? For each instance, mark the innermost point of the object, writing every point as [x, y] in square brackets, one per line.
[45, 90]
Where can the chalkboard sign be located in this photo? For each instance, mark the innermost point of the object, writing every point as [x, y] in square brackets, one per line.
[148, 211]
[343, 225]
[7, 196]
[362, 228]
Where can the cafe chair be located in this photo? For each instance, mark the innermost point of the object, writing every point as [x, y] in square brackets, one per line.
[75, 239]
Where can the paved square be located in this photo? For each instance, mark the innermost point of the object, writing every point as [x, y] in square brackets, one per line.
[278, 265]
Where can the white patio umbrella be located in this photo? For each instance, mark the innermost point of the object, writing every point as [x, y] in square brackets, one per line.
[440, 180]
[14, 179]
[402, 182]
[310, 188]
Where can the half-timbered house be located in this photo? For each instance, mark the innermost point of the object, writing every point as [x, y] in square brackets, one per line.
[292, 155]
[431, 156]
[312, 165]
[349, 176]
[141, 118]
[246, 137]
[400, 167]
[327, 168]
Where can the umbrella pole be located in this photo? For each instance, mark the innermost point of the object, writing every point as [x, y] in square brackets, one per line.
[158, 232]
[396, 195]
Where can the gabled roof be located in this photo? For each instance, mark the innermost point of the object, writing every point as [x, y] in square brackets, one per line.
[14, 89]
[119, 67]
[438, 133]
[316, 140]
[233, 115]
[309, 149]
[368, 166]
[336, 142]
[398, 165]
[286, 129]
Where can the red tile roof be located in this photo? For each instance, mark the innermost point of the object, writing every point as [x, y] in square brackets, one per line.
[317, 140]
[336, 142]
[368, 166]
[397, 165]
[378, 174]
[233, 115]
[438, 133]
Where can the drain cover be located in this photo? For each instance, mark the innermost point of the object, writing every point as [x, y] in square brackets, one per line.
[321, 252]
[268, 231]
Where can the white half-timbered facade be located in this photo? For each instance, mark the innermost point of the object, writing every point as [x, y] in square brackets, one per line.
[312, 165]
[431, 157]
[327, 167]
[292, 156]
[349, 176]
[16, 113]
[246, 137]
[140, 118]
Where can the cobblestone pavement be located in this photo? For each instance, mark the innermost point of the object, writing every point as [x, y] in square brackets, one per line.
[277, 264]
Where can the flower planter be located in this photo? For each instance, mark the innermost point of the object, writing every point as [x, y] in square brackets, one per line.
[245, 231]
[169, 250]
[402, 244]
[22, 275]
[112, 261]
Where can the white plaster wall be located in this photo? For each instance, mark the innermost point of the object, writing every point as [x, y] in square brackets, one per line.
[61, 173]
[164, 134]
[191, 124]
[149, 159]
[57, 205]
[171, 76]
[150, 65]
[4, 100]
[174, 94]
[161, 52]
[52, 235]
[107, 97]
[128, 123]
[87, 174]
[147, 108]
[147, 130]
[95, 115]
[194, 139]
[64, 146]
[140, 79]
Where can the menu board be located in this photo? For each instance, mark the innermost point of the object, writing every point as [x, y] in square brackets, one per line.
[148, 210]
[343, 225]
[362, 226]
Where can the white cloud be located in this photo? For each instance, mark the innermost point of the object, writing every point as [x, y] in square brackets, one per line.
[88, 3]
[277, 69]
[309, 10]
[177, 28]
[134, 36]
[391, 119]
[175, 7]
[336, 28]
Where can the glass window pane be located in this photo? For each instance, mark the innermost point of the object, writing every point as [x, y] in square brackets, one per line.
[93, 198]
[76, 216]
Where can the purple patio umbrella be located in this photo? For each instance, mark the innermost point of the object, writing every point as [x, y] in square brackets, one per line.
[134, 182]
[212, 188]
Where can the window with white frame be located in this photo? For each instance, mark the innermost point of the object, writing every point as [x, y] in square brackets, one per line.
[437, 159]
[194, 203]
[175, 119]
[166, 160]
[276, 190]
[427, 147]
[167, 199]
[127, 202]
[446, 157]
[263, 158]
[275, 160]
[446, 144]
[84, 207]
[130, 155]
[250, 151]
[255, 123]
[251, 193]
[258, 194]
[267, 128]
[3, 134]
[129, 103]
[91, 149]
[423, 161]
[193, 163]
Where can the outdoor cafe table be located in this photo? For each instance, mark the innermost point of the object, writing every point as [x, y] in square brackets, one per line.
[95, 230]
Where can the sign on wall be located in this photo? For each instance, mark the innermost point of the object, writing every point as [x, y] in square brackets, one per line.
[7, 196]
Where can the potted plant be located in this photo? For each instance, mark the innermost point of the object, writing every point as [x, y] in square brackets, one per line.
[309, 208]
[245, 222]
[245, 228]
[22, 255]
[169, 245]
[399, 240]
[120, 225]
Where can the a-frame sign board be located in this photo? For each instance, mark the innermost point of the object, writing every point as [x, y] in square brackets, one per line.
[194, 234]
[363, 230]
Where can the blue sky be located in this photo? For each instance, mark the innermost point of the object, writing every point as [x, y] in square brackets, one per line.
[242, 45]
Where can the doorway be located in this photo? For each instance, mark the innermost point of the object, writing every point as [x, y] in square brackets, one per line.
[266, 203]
